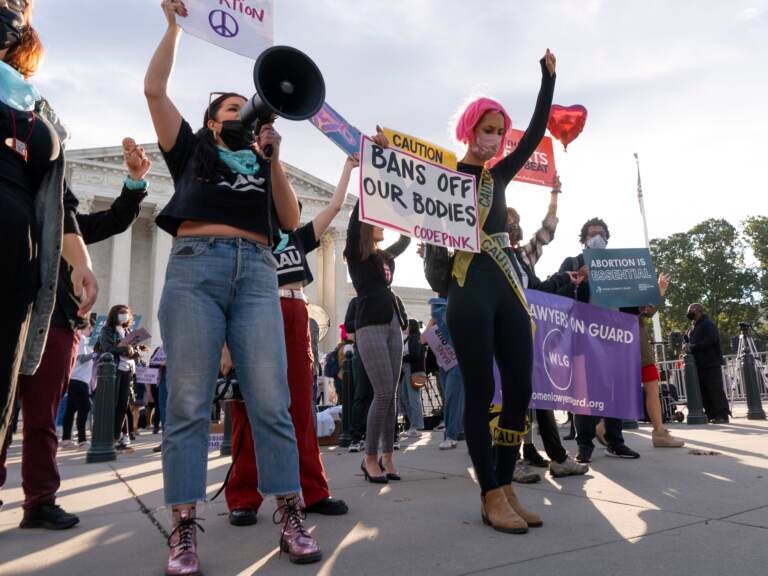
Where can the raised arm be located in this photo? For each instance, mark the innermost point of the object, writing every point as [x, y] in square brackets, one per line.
[165, 116]
[399, 246]
[510, 165]
[533, 249]
[283, 195]
[324, 219]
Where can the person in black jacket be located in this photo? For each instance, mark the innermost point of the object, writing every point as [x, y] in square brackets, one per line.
[378, 324]
[561, 464]
[362, 391]
[704, 344]
[44, 390]
[594, 234]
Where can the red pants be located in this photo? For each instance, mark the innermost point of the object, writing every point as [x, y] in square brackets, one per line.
[242, 488]
[40, 396]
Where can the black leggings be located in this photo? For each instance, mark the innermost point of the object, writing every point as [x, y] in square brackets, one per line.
[77, 401]
[122, 397]
[486, 320]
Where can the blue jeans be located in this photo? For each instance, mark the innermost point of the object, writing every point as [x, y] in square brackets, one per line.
[217, 290]
[409, 400]
[451, 381]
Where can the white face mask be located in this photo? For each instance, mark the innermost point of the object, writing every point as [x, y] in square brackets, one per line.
[486, 145]
[597, 242]
[122, 318]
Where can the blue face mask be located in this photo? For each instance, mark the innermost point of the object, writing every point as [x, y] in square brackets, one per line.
[15, 91]
[284, 239]
[240, 161]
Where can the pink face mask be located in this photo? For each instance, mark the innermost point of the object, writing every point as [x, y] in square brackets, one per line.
[486, 145]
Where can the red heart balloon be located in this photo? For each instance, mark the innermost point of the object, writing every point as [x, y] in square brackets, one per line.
[566, 122]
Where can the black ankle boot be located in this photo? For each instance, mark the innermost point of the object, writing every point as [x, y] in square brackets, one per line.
[49, 516]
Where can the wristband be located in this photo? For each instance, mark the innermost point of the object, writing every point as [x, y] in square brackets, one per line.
[132, 184]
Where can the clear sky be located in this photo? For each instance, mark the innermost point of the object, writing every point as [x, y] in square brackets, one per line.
[681, 83]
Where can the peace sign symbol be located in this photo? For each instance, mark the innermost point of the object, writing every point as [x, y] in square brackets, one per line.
[223, 24]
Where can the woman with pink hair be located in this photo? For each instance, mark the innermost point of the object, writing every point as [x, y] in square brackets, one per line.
[488, 315]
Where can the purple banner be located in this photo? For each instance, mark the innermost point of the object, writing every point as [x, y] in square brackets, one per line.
[586, 359]
[340, 132]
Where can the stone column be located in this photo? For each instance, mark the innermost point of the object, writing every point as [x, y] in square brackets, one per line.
[161, 251]
[120, 269]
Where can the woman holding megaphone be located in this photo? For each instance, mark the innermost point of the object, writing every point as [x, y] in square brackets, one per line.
[488, 316]
[221, 286]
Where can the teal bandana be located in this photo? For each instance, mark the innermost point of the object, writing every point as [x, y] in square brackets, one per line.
[15, 91]
[284, 239]
[242, 161]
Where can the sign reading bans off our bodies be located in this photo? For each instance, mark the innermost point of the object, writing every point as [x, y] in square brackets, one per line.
[418, 198]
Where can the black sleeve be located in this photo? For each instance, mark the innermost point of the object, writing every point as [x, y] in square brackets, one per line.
[507, 167]
[398, 247]
[70, 211]
[566, 266]
[708, 337]
[556, 284]
[306, 237]
[352, 248]
[108, 345]
[178, 157]
[98, 226]
[349, 317]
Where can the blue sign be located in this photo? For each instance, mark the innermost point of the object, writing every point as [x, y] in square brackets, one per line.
[340, 132]
[623, 277]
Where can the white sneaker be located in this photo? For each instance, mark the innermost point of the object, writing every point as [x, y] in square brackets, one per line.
[355, 447]
[66, 444]
[447, 444]
[84, 445]
[412, 433]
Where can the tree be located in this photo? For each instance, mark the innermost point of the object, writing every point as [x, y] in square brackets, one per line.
[707, 265]
[756, 231]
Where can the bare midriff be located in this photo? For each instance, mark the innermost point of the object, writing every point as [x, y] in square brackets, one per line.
[195, 228]
[293, 286]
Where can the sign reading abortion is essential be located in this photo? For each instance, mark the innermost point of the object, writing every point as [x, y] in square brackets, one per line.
[443, 351]
[586, 359]
[622, 277]
[418, 198]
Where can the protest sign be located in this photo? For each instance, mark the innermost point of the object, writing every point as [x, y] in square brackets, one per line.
[145, 375]
[240, 26]
[443, 351]
[622, 277]
[586, 359]
[540, 167]
[421, 148]
[136, 337]
[338, 130]
[418, 198]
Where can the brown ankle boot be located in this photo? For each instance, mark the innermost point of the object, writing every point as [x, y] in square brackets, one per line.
[533, 520]
[498, 513]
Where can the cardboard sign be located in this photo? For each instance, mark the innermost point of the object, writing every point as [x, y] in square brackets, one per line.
[443, 351]
[540, 167]
[136, 337]
[621, 278]
[421, 148]
[338, 130]
[145, 375]
[418, 198]
[240, 26]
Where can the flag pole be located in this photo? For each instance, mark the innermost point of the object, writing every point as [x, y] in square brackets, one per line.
[656, 321]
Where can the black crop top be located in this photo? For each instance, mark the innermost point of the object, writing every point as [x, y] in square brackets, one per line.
[292, 264]
[236, 200]
[508, 167]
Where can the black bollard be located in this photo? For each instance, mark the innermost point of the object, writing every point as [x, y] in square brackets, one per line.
[102, 437]
[226, 443]
[749, 376]
[346, 401]
[693, 392]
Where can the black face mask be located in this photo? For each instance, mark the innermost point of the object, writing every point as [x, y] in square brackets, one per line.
[236, 136]
[11, 27]
[690, 316]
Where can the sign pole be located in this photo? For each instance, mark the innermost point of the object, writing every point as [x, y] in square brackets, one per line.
[656, 321]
